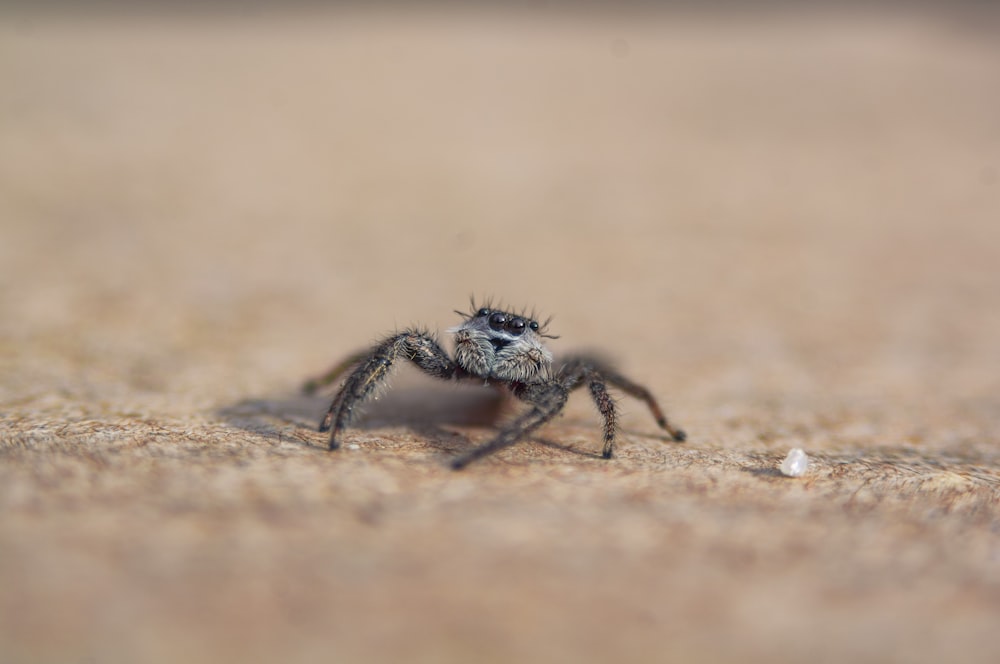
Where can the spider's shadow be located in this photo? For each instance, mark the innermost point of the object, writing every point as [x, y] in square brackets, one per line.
[426, 409]
[412, 405]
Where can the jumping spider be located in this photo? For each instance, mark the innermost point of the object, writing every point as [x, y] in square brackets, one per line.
[502, 349]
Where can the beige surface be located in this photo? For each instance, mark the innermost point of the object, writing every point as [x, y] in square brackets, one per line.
[787, 228]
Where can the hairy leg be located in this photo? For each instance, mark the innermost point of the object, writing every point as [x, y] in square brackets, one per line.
[577, 372]
[613, 377]
[547, 399]
[373, 367]
[333, 374]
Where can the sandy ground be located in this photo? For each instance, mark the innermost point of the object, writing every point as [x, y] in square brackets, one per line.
[788, 227]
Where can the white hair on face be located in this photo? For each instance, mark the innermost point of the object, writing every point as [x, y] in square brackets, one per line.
[494, 352]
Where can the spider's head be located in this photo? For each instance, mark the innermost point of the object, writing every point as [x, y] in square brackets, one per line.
[499, 345]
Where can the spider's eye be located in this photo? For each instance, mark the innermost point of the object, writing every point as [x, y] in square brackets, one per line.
[515, 326]
[483, 312]
[497, 321]
[533, 325]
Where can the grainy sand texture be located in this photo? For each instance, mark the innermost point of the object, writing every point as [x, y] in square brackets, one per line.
[787, 225]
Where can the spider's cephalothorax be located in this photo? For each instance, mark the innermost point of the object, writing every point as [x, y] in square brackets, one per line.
[502, 349]
[506, 348]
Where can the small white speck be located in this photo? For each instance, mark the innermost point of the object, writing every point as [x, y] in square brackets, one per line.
[795, 464]
[353, 446]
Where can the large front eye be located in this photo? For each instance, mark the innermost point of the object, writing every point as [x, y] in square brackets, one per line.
[516, 326]
[497, 321]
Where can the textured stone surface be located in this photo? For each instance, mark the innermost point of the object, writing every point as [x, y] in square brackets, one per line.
[786, 227]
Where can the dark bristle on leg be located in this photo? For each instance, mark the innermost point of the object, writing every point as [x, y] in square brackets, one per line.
[548, 400]
[550, 397]
[372, 370]
[333, 374]
[581, 368]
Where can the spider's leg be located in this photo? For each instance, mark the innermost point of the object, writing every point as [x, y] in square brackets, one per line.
[633, 389]
[573, 375]
[547, 399]
[373, 367]
[333, 374]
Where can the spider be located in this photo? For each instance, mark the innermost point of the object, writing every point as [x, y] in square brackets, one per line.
[497, 347]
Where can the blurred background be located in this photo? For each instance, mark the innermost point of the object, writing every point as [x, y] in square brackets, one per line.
[808, 192]
[785, 220]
